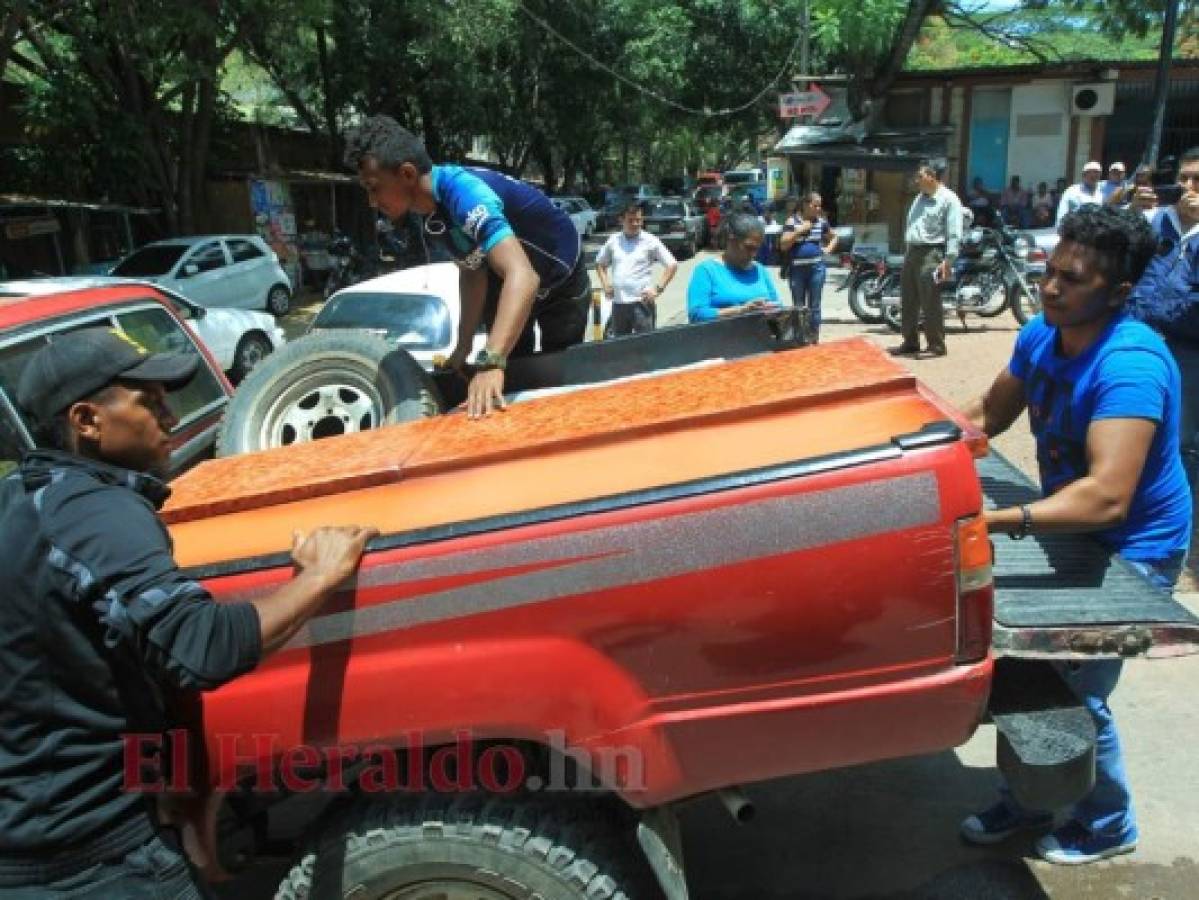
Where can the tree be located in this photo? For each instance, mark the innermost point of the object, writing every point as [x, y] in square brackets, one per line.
[123, 95]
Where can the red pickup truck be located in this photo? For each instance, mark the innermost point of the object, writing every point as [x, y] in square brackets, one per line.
[599, 604]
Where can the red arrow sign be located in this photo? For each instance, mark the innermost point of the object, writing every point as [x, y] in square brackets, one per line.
[811, 102]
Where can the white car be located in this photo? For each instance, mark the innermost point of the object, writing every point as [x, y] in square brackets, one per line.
[237, 270]
[238, 339]
[580, 213]
[418, 309]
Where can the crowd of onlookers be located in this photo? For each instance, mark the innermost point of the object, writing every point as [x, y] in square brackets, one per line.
[1044, 206]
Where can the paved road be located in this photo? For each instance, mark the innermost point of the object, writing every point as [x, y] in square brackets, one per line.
[888, 831]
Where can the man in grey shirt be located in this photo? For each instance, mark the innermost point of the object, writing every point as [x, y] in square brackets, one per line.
[932, 239]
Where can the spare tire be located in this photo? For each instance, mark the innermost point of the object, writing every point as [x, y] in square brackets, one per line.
[323, 385]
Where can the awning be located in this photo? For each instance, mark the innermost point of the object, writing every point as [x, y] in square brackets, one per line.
[896, 150]
[10, 200]
[296, 176]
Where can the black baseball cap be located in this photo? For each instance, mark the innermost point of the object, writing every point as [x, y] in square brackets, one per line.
[78, 363]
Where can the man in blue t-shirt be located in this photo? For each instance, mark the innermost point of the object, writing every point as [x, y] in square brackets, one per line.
[520, 258]
[1103, 399]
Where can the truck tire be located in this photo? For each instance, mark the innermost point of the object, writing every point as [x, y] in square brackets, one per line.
[323, 385]
[467, 845]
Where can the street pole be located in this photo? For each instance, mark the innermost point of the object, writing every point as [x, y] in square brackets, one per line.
[1161, 87]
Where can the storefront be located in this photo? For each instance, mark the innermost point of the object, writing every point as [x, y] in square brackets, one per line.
[866, 186]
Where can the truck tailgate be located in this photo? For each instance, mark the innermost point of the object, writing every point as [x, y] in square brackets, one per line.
[1067, 596]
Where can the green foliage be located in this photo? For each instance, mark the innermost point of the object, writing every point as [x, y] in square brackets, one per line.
[131, 98]
[1038, 35]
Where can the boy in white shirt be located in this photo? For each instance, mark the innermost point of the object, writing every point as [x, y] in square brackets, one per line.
[631, 254]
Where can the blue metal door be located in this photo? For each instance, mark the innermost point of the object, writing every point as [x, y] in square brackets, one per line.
[990, 122]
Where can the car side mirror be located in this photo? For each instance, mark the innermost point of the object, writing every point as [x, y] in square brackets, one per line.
[190, 269]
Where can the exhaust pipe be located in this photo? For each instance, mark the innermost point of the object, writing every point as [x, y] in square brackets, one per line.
[739, 806]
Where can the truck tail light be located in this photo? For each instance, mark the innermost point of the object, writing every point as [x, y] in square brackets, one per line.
[975, 589]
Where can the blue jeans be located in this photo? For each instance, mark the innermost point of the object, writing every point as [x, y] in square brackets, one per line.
[154, 871]
[807, 284]
[1107, 809]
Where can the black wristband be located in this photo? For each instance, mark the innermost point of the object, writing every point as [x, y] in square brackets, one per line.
[1025, 524]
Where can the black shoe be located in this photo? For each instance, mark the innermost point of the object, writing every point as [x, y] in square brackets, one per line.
[937, 351]
[904, 349]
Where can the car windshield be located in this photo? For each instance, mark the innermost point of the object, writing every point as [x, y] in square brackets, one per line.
[155, 260]
[417, 321]
[666, 208]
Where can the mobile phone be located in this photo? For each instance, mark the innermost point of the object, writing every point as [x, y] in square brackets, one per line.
[1168, 194]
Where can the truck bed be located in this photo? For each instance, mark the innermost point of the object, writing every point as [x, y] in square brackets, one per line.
[666, 430]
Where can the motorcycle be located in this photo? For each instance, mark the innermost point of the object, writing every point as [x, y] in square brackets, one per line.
[861, 282]
[991, 274]
[347, 265]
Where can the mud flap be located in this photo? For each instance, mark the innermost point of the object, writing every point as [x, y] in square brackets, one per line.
[1045, 736]
[660, 839]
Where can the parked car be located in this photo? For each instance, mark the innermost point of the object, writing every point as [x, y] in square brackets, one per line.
[417, 309]
[214, 270]
[29, 319]
[238, 339]
[580, 213]
[681, 227]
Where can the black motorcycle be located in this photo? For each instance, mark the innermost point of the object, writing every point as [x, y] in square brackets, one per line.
[991, 273]
[347, 265]
[863, 283]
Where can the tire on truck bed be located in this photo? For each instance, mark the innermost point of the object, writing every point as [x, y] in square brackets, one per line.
[322, 385]
[473, 845]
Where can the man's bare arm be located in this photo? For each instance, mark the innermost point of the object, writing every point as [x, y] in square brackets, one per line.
[508, 260]
[996, 410]
[325, 558]
[1116, 454]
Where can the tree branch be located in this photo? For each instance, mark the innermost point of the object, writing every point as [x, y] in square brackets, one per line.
[959, 17]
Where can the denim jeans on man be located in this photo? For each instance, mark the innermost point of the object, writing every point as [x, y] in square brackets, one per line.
[807, 284]
[1107, 810]
[157, 870]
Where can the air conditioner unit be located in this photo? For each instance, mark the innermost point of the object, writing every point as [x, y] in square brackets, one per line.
[1096, 99]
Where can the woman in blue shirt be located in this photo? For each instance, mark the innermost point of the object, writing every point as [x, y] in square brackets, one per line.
[807, 237]
[735, 283]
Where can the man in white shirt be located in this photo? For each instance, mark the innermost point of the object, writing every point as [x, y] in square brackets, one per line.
[1085, 192]
[1113, 187]
[631, 254]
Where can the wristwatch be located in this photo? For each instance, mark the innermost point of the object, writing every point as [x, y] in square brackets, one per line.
[489, 359]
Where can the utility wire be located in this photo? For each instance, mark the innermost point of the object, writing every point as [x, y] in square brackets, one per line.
[650, 92]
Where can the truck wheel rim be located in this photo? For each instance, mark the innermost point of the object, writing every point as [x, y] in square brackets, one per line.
[324, 405]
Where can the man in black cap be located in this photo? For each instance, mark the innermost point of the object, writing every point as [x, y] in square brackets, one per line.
[97, 623]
